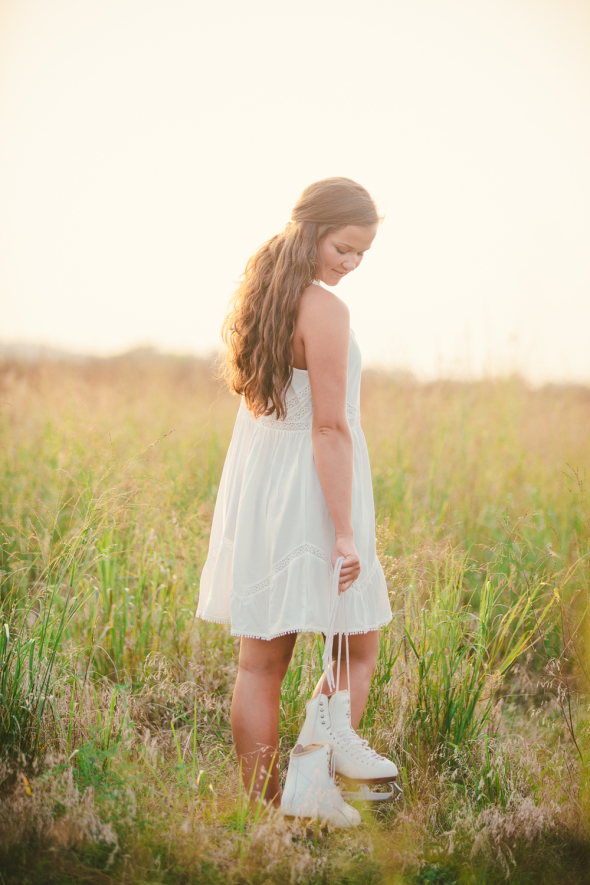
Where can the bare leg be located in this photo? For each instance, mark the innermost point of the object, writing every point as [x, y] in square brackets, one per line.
[255, 712]
[364, 650]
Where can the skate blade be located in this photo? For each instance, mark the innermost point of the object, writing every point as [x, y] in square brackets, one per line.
[364, 793]
[370, 781]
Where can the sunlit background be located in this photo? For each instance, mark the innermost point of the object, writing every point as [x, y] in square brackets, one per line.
[147, 147]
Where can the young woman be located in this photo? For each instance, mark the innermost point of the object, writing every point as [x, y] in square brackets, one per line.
[296, 491]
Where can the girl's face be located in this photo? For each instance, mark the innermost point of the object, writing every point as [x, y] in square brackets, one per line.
[342, 251]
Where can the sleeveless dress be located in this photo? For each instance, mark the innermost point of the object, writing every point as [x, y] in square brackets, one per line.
[269, 563]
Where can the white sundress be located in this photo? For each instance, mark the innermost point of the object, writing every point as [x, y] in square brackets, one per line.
[269, 563]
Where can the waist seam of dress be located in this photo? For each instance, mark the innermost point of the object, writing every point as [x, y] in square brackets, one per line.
[293, 426]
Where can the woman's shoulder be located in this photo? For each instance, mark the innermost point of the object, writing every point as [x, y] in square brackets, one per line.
[320, 305]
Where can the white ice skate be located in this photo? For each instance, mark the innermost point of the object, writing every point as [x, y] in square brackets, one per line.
[328, 720]
[310, 790]
[328, 724]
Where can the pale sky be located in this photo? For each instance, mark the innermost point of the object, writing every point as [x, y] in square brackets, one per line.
[148, 147]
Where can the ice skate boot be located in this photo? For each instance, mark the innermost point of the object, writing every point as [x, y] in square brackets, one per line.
[328, 719]
[310, 788]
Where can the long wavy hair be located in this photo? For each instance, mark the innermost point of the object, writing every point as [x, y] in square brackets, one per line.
[260, 325]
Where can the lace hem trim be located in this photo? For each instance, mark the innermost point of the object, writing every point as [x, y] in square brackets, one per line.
[311, 629]
[211, 619]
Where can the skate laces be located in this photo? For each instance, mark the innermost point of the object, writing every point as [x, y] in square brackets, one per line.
[357, 745]
[337, 602]
[347, 737]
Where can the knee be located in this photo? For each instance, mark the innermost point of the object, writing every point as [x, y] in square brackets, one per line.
[269, 670]
[366, 661]
[266, 660]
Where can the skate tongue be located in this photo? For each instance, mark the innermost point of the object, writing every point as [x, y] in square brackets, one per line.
[339, 705]
[340, 721]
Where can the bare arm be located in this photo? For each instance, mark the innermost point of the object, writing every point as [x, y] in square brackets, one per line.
[325, 331]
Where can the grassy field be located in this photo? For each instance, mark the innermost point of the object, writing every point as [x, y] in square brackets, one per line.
[116, 756]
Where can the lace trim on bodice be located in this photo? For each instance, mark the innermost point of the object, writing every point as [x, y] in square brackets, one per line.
[299, 414]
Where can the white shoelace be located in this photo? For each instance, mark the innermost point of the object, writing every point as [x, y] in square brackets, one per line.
[337, 602]
[357, 745]
[347, 737]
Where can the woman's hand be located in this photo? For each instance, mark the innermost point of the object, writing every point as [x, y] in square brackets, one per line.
[351, 567]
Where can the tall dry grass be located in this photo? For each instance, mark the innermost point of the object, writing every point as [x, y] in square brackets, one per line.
[114, 729]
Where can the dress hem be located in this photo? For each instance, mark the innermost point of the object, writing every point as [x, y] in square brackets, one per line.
[291, 630]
